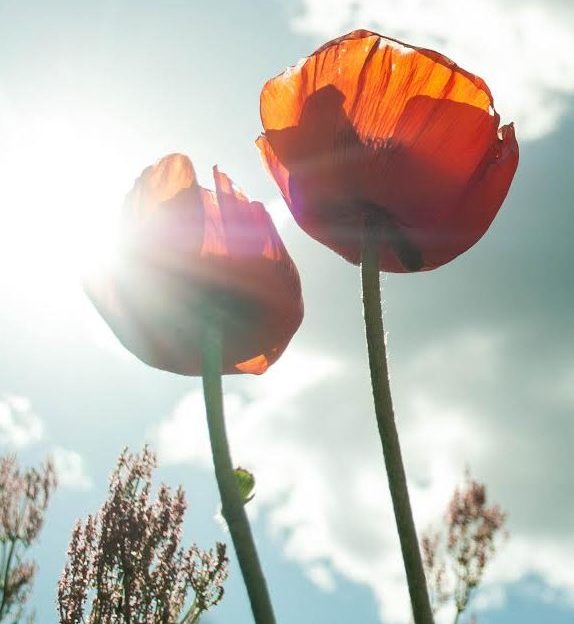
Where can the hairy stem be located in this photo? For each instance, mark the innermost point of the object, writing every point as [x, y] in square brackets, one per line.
[386, 424]
[232, 505]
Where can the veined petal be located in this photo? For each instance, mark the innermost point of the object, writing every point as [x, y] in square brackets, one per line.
[369, 124]
[159, 183]
[376, 76]
[478, 206]
[191, 252]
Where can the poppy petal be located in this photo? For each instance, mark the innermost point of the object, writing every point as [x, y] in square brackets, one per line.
[159, 183]
[369, 124]
[477, 208]
[188, 252]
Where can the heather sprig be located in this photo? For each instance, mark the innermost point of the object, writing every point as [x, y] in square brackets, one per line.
[125, 564]
[456, 557]
[24, 497]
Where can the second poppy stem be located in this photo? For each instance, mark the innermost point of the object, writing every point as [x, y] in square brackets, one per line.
[370, 278]
[231, 503]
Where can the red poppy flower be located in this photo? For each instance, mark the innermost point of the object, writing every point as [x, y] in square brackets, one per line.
[189, 252]
[369, 128]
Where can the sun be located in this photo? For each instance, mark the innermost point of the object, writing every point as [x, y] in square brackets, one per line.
[64, 180]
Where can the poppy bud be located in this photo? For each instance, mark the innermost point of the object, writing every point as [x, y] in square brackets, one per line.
[189, 253]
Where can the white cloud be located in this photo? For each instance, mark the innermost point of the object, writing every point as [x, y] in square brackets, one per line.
[322, 576]
[184, 435]
[523, 50]
[19, 425]
[70, 469]
[319, 470]
[323, 493]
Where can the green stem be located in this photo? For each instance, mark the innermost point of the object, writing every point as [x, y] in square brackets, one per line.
[13, 545]
[231, 503]
[6, 574]
[195, 618]
[192, 614]
[386, 423]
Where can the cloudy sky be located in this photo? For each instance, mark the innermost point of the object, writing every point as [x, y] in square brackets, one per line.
[481, 351]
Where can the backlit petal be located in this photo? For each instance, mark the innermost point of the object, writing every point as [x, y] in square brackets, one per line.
[195, 252]
[159, 183]
[369, 124]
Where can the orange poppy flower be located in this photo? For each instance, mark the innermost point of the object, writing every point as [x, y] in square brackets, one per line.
[189, 252]
[369, 128]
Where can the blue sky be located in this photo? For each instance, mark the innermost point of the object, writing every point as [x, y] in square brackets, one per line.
[482, 350]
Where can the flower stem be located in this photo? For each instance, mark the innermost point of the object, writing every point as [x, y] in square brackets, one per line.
[231, 503]
[386, 423]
